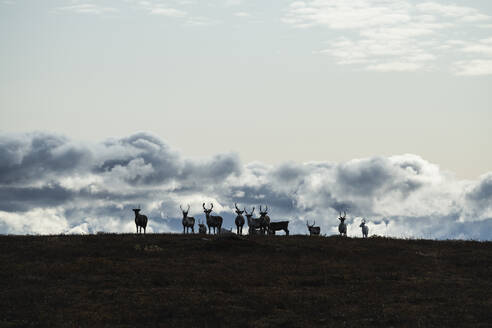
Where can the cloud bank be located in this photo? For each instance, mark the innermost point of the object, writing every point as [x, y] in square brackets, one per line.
[52, 184]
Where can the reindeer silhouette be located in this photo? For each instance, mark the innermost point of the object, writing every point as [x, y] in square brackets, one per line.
[253, 224]
[188, 221]
[239, 220]
[213, 221]
[202, 229]
[342, 227]
[140, 220]
[313, 231]
[264, 220]
[277, 226]
[365, 229]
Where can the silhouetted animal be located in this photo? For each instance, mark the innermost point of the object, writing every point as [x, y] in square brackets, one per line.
[253, 223]
[140, 220]
[365, 229]
[264, 220]
[202, 229]
[239, 220]
[188, 221]
[226, 232]
[213, 221]
[276, 226]
[313, 231]
[342, 227]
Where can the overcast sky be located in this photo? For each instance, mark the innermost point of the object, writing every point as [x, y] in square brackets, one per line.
[235, 89]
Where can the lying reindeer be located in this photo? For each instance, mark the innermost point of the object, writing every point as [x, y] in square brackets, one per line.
[253, 224]
[202, 228]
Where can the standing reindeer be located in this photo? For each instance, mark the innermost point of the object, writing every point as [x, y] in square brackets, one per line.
[140, 220]
[253, 224]
[213, 221]
[313, 231]
[342, 227]
[365, 229]
[188, 221]
[276, 226]
[202, 229]
[239, 220]
[264, 220]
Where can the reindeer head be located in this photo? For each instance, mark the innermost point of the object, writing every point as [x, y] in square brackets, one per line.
[208, 211]
[249, 215]
[238, 211]
[362, 223]
[342, 218]
[185, 213]
[310, 226]
[312, 229]
[265, 212]
[136, 210]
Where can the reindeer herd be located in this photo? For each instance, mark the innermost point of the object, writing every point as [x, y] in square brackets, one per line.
[261, 225]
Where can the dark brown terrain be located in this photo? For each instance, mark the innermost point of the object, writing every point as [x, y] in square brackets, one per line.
[161, 280]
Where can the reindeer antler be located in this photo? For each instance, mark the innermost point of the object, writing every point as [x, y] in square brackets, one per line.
[344, 214]
[211, 205]
[204, 206]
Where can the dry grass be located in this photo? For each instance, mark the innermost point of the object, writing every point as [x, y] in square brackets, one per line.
[191, 281]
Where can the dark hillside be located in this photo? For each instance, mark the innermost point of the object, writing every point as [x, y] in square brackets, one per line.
[190, 281]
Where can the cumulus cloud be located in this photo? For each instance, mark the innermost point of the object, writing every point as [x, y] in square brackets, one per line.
[52, 184]
[390, 36]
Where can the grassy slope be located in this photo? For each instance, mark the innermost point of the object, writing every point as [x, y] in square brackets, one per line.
[174, 280]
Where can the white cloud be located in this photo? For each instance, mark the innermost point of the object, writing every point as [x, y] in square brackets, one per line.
[230, 3]
[474, 67]
[480, 47]
[87, 8]
[187, 17]
[467, 14]
[340, 14]
[242, 14]
[169, 12]
[35, 221]
[386, 35]
[395, 67]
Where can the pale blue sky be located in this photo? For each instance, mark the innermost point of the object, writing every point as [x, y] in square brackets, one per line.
[274, 81]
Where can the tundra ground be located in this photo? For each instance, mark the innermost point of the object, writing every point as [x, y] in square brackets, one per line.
[164, 280]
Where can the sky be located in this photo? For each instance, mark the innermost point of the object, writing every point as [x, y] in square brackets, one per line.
[381, 108]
